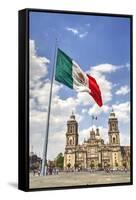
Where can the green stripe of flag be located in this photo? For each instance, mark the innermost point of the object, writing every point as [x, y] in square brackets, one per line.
[64, 69]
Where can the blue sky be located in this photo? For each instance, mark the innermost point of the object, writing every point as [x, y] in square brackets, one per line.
[101, 46]
[107, 41]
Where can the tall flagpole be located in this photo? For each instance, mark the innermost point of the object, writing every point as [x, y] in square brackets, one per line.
[44, 159]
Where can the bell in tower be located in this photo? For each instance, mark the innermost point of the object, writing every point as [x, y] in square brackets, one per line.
[72, 131]
[113, 132]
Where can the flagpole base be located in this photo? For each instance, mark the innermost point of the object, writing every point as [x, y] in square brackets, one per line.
[44, 171]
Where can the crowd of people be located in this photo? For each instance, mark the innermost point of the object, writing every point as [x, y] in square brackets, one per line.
[50, 171]
[55, 170]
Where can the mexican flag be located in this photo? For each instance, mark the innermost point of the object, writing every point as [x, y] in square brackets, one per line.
[70, 74]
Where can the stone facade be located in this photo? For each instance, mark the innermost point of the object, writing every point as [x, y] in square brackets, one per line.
[94, 152]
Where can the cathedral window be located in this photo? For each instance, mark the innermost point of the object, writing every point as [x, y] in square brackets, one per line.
[114, 139]
[71, 129]
[73, 140]
[113, 126]
[70, 142]
[67, 141]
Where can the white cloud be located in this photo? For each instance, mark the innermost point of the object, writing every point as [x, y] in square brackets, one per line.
[84, 98]
[41, 93]
[104, 68]
[122, 111]
[125, 137]
[104, 133]
[77, 32]
[84, 111]
[123, 90]
[128, 66]
[84, 134]
[36, 116]
[115, 85]
[60, 112]
[73, 30]
[96, 110]
[82, 35]
[38, 64]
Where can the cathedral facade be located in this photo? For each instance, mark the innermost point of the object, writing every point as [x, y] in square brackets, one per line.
[94, 153]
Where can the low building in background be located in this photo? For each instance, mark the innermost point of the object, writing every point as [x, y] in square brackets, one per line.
[34, 162]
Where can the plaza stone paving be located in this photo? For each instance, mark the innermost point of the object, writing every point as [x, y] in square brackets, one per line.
[78, 178]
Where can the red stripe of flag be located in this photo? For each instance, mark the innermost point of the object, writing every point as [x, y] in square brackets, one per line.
[95, 90]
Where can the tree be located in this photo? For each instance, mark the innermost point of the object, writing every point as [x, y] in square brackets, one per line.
[59, 161]
[51, 163]
[35, 166]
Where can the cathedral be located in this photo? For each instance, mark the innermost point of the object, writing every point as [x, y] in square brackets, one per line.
[94, 153]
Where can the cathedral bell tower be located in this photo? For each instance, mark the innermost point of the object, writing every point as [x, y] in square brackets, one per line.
[71, 143]
[72, 132]
[114, 138]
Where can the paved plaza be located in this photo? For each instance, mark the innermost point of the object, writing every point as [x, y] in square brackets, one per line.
[78, 178]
